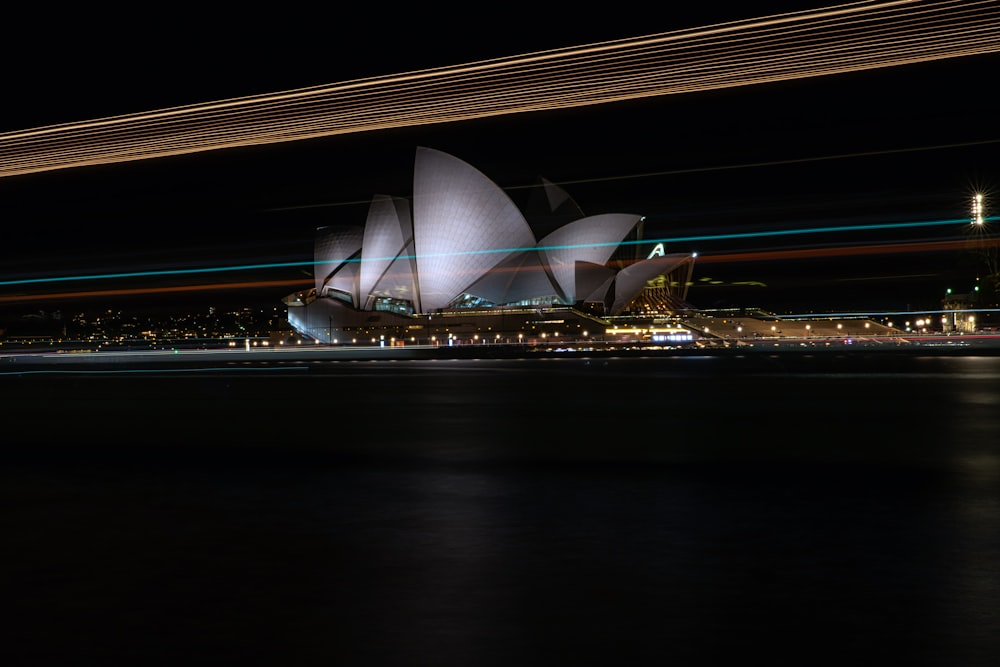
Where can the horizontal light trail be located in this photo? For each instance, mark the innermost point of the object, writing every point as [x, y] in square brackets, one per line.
[695, 170]
[703, 258]
[833, 40]
[842, 251]
[665, 240]
[132, 291]
[810, 230]
[720, 167]
[151, 274]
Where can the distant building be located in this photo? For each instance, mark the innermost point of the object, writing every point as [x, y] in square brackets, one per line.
[960, 313]
[40, 325]
[460, 262]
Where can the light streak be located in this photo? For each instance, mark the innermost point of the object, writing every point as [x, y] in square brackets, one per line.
[152, 273]
[842, 251]
[839, 39]
[703, 258]
[723, 167]
[810, 230]
[926, 246]
[131, 291]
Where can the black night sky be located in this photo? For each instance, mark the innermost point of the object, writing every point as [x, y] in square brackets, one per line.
[879, 147]
[601, 506]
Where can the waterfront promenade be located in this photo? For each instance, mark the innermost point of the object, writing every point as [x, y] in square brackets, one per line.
[19, 360]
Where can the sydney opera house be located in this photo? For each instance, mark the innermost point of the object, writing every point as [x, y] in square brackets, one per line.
[459, 262]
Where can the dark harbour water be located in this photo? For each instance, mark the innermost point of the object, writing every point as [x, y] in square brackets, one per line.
[688, 511]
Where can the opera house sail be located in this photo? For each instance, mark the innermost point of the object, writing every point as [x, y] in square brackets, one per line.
[460, 262]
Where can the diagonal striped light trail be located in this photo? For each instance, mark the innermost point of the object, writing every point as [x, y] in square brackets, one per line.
[833, 40]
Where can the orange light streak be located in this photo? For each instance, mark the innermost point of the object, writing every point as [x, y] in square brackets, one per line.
[843, 251]
[129, 291]
[751, 256]
[838, 39]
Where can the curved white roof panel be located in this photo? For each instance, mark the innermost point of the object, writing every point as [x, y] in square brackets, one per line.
[388, 234]
[335, 247]
[463, 225]
[592, 239]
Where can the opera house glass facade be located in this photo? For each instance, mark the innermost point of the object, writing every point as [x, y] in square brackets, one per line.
[460, 262]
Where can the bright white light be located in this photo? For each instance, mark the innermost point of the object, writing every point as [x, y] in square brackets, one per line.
[977, 209]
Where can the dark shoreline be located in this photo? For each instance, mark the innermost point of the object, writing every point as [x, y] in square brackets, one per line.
[81, 361]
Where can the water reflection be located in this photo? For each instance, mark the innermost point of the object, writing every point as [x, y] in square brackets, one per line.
[509, 513]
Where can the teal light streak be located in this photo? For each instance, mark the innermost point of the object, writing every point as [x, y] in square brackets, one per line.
[814, 230]
[706, 237]
[146, 274]
[744, 235]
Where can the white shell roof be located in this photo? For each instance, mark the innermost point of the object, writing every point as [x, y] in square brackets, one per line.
[334, 248]
[466, 235]
[388, 235]
[592, 239]
[463, 225]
